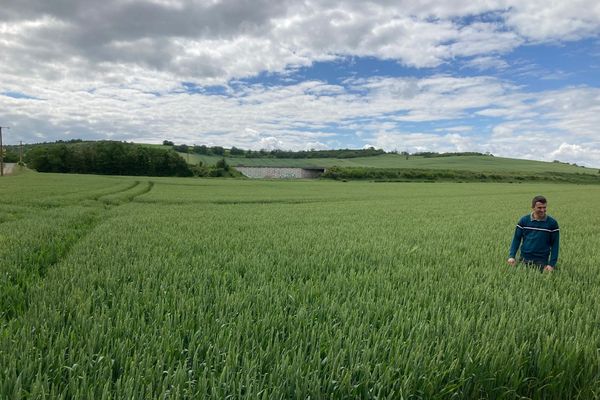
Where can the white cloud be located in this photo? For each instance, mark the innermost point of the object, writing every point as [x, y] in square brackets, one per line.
[212, 42]
[458, 129]
[587, 154]
[115, 69]
[420, 142]
[482, 63]
[310, 113]
[541, 20]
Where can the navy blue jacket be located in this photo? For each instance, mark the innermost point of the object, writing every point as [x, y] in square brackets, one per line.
[540, 239]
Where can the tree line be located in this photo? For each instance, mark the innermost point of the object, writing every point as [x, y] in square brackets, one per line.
[338, 153]
[106, 158]
[237, 152]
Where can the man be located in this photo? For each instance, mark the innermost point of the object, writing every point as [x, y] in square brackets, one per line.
[539, 235]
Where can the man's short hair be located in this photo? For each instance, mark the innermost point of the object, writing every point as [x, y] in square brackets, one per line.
[538, 199]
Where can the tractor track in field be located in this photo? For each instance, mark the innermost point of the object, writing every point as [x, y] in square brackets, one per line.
[15, 293]
[104, 198]
[31, 266]
[128, 195]
[99, 197]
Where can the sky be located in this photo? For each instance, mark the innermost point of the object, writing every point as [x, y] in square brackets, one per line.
[517, 79]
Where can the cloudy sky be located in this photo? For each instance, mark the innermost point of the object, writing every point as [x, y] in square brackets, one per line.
[515, 78]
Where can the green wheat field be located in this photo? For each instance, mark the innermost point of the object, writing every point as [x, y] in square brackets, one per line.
[175, 288]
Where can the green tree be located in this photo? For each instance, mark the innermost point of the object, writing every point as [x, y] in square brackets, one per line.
[200, 149]
[236, 152]
[107, 157]
[222, 164]
[217, 150]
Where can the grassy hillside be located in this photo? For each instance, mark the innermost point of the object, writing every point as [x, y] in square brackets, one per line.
[464, 163]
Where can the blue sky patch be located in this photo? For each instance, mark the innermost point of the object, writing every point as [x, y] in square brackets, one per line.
[19, 95]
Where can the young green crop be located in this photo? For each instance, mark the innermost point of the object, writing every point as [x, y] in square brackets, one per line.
[187, 288]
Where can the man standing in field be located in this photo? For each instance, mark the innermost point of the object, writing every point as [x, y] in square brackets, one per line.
[539, 234]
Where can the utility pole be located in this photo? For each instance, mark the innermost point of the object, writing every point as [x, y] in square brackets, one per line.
[20, 152]
[2, 151]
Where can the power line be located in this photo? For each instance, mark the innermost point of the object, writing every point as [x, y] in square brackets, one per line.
[2, 151]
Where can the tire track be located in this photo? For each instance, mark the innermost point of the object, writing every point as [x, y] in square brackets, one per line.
[29, 259]
[129, 195]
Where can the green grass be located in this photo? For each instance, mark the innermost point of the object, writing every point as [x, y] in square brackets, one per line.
[118, 287]
[465, 163]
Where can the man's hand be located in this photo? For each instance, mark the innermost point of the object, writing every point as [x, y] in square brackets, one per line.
[512, 261]
[549, 268]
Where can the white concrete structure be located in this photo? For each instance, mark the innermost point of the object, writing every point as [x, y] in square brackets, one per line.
[281, 172]
[8, 168]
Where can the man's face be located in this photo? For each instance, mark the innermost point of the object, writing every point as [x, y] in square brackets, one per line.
[539, 210]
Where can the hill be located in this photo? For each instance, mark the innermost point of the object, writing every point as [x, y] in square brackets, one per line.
[371, 164]
[479, 163]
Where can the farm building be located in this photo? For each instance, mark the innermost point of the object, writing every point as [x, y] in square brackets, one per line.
[281, 172]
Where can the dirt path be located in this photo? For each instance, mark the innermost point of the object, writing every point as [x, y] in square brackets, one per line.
[8, 168]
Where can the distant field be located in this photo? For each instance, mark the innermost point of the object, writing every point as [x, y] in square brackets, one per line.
[185, 288]
[467, 163]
